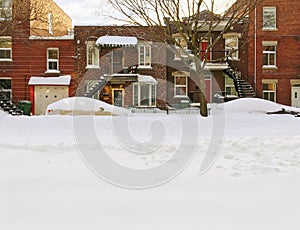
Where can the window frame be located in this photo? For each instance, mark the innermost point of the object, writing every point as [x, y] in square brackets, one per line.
[269, 10]
[269, 91]
[50, 23]
[52, 60]
[268, 53]
[6, 90]
[137, 97]
[7, 9]
[94, 55]
[7, 40]
[176, 86]
[143, 55]
[233, 51]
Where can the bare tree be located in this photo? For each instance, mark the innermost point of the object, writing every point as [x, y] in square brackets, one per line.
[187, 19]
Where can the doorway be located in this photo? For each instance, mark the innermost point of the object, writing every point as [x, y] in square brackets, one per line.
[296, 96]
[118, 97]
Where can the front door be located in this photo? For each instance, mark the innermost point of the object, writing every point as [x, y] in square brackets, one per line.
[296, 97]
[118, 97]
[203, 46]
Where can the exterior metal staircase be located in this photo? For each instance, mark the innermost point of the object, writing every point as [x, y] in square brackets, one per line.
[10, 108]
[242, 84]
[94, 87]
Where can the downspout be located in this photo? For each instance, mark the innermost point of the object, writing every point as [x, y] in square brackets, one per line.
[255, 47]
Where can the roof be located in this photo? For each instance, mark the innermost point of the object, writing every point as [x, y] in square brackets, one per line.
[61, 80]
[117, 41]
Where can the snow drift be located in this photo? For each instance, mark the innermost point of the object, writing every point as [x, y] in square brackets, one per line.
[84, 106]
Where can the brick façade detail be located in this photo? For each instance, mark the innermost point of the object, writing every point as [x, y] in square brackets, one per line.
[287, 50]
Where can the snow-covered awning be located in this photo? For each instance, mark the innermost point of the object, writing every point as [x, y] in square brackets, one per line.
[61, 80]
[115, 41]
[146, 79]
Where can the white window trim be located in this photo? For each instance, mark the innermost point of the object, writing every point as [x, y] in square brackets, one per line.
[180, 86]
[271, 91]
[234, 50]
[144, 45]
[270, 52]
[8, 9]
[10, 49]
[138, 84]
[50, 23]
[270, 9]
[95, 55]
[52, 60]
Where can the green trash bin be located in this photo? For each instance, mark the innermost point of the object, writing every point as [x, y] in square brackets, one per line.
[25, 106]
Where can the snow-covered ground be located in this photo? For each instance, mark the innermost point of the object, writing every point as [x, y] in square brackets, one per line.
[48, 179]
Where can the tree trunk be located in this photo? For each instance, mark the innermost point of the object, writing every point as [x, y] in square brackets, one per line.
[203, 104]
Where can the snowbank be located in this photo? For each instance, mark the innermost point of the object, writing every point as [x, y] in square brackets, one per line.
[252, 105]
[84, 106]
[2, 114]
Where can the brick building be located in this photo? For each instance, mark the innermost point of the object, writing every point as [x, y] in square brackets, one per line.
[230, 51]
[121, 65]
[36, 49]
[274, 51]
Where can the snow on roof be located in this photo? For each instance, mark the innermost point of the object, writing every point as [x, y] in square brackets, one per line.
[146, 79]
[65, 37]
[61, 80]
[117, 41]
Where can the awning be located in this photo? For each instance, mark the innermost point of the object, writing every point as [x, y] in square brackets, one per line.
[116, 41]
[61, 80]
[146, 79]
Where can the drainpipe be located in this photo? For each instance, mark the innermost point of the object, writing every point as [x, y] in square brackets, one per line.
[255, 46]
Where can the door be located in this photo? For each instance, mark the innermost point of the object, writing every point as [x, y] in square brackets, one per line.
[296, 97]
[45, 95]
[203, 46]
[118, 97]
[117, 61]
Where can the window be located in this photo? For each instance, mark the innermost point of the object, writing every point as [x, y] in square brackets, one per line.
[269, 91]
[52, 60]
[232, 47]
[180, 85]
[92, 55]
[5, 49]
[144, 95]
[269, 55]
[145, 56]
[5, 9]
[50, 23]
[5, 89]
[269, 18]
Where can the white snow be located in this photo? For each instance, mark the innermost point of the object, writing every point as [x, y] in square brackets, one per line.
[61, 80]
[84, 104]
[117, 41]
[147, 79]
[45, 182]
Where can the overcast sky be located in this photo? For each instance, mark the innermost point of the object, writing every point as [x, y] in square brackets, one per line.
[93, 12]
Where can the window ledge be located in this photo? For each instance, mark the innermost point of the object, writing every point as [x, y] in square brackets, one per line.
[8, 60]
[181, 96]
[271, 29]
[145, 67]
[92, 67]
[234, 59]
[52, 71]
[270, 67]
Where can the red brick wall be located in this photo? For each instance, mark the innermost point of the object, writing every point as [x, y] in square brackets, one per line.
[288, 48]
